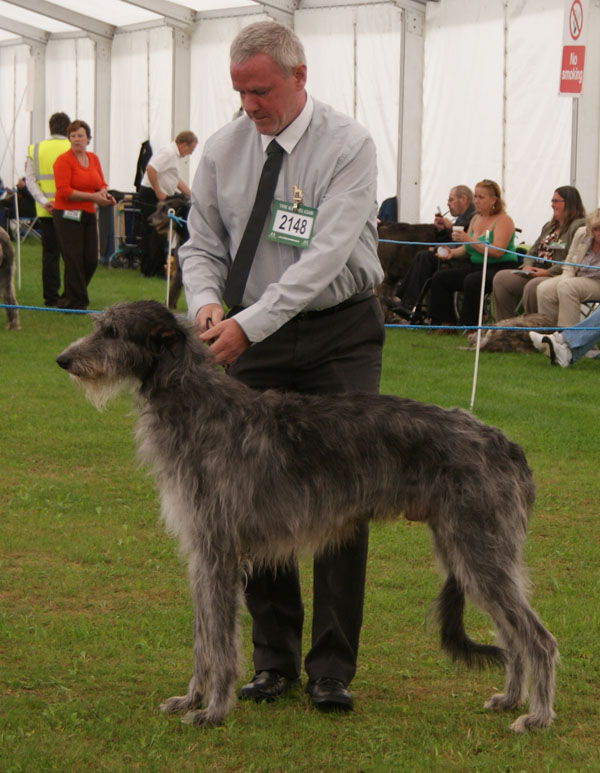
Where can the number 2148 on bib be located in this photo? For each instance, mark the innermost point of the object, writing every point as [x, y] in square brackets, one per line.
[291, 227]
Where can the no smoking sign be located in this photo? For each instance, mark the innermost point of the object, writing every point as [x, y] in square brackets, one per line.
[576, 19]
[573, 50]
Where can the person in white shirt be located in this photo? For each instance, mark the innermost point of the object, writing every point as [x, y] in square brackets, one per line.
[161, 180]
[307, 319]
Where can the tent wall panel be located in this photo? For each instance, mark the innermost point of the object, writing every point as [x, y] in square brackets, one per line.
[141, 99]
[14, 117]
[213, 101]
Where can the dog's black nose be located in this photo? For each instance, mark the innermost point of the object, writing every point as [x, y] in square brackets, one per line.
[63, 361]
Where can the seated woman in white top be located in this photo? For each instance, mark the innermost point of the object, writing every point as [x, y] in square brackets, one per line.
[559, 298]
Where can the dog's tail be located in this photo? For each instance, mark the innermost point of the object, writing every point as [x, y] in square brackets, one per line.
[450, 609]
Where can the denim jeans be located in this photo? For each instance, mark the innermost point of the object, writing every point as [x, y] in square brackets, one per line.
[582, 337]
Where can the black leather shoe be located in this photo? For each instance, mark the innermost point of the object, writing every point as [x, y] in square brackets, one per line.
[266, 686]
[330, 695]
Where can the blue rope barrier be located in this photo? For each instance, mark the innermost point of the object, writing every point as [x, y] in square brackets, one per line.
[388, 325]
[477, 327]
[178, 220]
[500, 249]
[49, 308]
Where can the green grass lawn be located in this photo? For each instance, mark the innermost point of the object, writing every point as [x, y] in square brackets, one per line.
[96, 620]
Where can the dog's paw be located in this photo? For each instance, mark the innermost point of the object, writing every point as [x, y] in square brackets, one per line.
[202, 718]
[532, 721]
[180, 703]
[501, 702]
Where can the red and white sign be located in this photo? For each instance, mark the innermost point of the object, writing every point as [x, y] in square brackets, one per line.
[573, 49]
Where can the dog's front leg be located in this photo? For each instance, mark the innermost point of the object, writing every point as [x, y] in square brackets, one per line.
[198, 683]
[215, 586]
[216, 650]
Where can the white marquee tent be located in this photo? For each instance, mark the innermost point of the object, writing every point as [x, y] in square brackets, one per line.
[453, 91]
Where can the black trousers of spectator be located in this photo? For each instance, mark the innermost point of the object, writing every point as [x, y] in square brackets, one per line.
[152, 244]
[466, 280]
[50, 261]
[326, 353]
[423, 267]
[79, 246]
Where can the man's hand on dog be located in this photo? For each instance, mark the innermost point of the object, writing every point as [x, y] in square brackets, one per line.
[226, 337]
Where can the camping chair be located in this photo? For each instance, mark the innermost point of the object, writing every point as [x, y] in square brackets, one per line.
[27, 226]
[588, 306]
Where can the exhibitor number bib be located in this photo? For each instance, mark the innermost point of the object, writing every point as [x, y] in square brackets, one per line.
[289, 225]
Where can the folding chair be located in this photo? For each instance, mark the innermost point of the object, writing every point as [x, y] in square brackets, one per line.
[28, 226]
[588, 306]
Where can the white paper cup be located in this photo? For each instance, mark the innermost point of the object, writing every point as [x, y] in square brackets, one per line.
[458, 228]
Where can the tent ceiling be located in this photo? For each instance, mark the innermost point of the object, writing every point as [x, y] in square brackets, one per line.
[38, 20]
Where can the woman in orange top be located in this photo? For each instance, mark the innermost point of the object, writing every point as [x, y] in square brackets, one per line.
[80, 186]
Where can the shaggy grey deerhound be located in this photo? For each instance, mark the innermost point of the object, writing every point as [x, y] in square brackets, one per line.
[7, 279]
[249, 478]
[511, 340]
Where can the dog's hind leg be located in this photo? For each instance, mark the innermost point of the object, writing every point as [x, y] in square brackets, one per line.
[491, 577]
[528, 643]
[540, 652]
[496, 603]
[543, 654]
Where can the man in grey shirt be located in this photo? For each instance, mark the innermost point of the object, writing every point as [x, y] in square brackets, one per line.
[307, 321]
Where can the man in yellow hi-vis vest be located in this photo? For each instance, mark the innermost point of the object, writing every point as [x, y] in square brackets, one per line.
[39, 179]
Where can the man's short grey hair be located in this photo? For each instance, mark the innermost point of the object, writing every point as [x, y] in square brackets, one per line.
[269, 37]
[464, 190]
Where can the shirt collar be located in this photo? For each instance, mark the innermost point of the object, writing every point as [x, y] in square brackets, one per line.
[291, 135]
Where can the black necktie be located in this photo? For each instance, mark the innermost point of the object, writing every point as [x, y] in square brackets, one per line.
[240, 269]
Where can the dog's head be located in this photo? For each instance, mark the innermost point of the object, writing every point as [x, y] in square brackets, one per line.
[128, 343]
[159, 219]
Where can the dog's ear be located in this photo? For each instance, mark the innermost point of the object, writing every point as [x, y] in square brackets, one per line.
[165, 338]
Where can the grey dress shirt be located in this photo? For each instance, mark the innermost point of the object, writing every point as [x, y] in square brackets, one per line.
[331, 158]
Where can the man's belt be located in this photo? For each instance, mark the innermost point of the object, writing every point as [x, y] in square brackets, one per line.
[316, 313]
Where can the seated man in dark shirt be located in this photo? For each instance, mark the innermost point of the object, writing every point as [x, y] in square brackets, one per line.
[427, 262]
[7, 204]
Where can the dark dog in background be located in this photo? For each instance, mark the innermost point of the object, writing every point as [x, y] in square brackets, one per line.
[7, 279]
[511, 340]
[396, 258]
[251, 478]
[160, 221]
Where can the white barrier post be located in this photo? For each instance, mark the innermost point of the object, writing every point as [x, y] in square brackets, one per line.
[18, 240]
[170, 259]
[480, 318]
